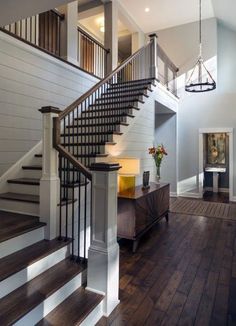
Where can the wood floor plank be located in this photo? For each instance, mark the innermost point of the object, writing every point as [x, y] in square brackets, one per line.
[181, 275]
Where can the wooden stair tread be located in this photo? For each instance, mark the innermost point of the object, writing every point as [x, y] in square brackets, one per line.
[98, 124]
[135, 82]
[25, 181]
[121, 115]
[130, 107]
[90, 155]
[89, 144]
[134, 88]
[115, 102]
[32, 167]
[20, 197]
[92, 133]
[21, 259]
[14, 224]
[73, 310]
[21, 301]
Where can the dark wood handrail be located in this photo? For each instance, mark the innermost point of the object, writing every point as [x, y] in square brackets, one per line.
[77, 102]
[92, 39]
[64, 152]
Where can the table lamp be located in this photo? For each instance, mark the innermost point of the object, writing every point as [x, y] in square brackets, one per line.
[130, 167]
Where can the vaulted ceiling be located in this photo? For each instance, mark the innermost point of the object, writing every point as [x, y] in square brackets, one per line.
[169, 13]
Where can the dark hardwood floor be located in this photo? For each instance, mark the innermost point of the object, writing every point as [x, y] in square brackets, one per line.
[183, 273]
[220, 197]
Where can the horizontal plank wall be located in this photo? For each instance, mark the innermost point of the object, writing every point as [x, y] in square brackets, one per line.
[30, 79]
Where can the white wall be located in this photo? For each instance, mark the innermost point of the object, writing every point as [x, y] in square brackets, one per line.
[166, 133]
[30, 79]
[207, 110]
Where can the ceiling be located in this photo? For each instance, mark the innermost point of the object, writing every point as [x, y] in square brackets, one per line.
[169, 13]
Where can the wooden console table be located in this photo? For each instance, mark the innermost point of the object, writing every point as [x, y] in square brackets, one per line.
[140, 209]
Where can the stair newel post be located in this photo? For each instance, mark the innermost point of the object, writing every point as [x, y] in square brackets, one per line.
[103, 253]
[153, 56]
[49, 182]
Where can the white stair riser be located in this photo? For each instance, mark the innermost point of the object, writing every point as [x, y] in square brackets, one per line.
[39, 312]
[103, 120]
[124, 98]
[92, 138]
[19, 207]
[120, 104]
[107, 128]
[94, 129]
[131, 88]
[90, 113]
[90, 149]
[37, 174]
[24, 189]
[94, 316]
[15, 281]
[22, 241]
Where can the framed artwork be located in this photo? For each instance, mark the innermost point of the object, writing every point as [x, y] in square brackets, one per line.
[216, 148]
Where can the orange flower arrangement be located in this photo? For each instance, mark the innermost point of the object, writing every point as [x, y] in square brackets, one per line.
[158, 154]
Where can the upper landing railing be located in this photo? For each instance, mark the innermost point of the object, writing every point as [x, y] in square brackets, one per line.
[45, 32]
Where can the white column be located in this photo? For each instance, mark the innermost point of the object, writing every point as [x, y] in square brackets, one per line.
[69, 33]
[153, 65]
[49, 183]
[111, 33]
[103, 254]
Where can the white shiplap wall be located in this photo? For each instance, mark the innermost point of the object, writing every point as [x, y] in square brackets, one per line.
[30, 79]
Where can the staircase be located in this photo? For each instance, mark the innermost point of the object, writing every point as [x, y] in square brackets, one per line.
[42, 282]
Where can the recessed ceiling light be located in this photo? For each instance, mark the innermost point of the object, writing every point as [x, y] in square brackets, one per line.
[147, 9]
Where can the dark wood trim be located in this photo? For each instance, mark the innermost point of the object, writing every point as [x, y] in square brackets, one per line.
[103, 166]
[50, 109]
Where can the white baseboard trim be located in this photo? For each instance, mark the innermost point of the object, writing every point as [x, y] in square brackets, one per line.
[190, 195]
[173, 194]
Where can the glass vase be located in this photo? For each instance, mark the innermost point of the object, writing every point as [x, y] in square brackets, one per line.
[158, 174]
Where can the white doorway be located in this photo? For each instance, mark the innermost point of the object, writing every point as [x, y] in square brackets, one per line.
[202, 132]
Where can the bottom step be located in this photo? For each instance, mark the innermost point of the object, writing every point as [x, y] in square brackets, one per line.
[81, 308]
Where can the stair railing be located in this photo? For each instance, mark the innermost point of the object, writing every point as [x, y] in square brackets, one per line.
[79, 131]
[92, 54]
[83, 128]
[42, 30]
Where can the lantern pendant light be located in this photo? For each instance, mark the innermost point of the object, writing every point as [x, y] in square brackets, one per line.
[204, 81]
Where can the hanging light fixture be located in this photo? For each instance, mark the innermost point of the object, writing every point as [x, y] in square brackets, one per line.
[204, 81]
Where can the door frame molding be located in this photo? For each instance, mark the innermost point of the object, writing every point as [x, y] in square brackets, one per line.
[229, 131]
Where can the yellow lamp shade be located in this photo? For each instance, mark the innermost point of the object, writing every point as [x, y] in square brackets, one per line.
[129, 165]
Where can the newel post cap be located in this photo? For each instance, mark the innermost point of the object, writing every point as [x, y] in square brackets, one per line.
[153, 35]
[104, 166]
[49, 109]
